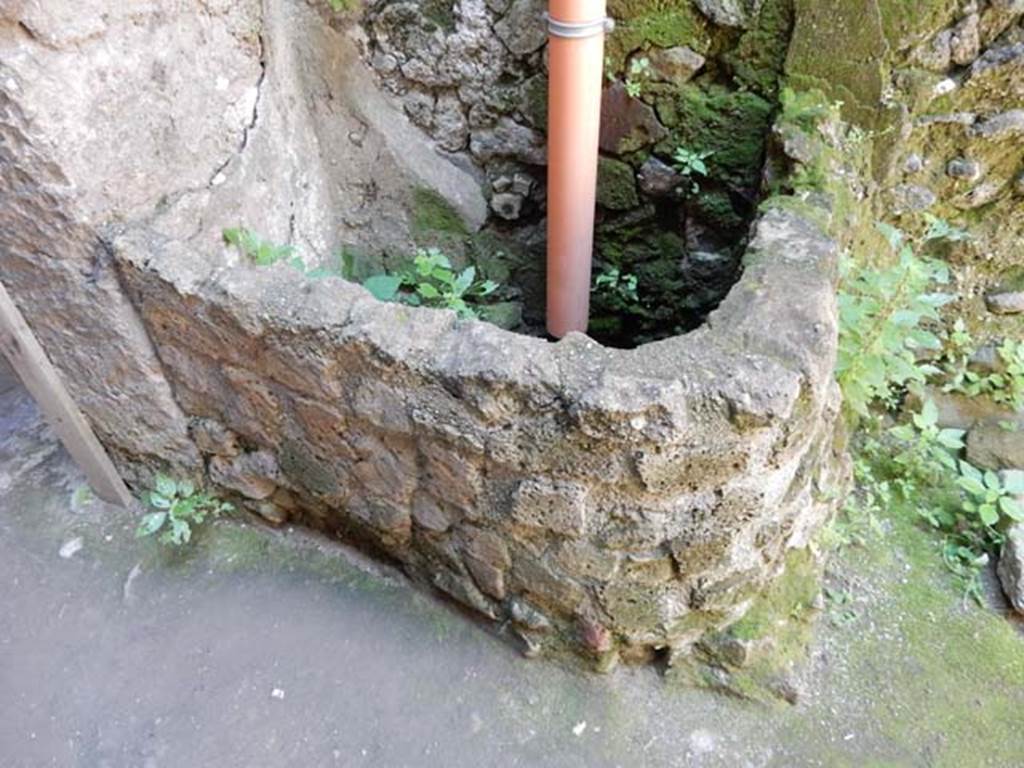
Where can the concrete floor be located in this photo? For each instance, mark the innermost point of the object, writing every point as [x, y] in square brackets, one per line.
[255, 648]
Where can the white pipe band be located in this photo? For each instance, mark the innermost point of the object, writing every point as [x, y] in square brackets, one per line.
[575, 30]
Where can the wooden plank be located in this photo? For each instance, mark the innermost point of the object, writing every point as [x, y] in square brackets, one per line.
[19, 345]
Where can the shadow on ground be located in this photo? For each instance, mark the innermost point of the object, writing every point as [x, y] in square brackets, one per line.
[269, 649]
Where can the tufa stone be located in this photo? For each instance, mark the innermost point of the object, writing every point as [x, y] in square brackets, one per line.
[675, 65]
[1011, 566]
[253, 475]
[627, 124]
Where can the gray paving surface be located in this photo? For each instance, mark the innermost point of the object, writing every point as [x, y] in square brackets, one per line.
[263, 649]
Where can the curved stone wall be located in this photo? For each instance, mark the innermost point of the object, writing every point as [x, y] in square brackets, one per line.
[596, 498]
[608, 501]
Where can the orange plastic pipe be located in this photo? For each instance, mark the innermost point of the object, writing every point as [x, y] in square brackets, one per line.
[576, 71]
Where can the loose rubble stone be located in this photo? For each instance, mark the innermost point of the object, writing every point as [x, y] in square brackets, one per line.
[214, 438]
[508, 205]
[912, 198]
[627, 124]
[675, 65]
[1005, 302]
[963, 168]
[658, 179]
[937, 54]
[509, 139]
[730, 13]
[522, 28]
[552, 505]
[965, 41]
[1011, 566]
[991, 445]
[253, 475]
[1002, 124]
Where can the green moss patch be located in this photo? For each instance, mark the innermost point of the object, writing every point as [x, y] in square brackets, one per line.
[431, 213]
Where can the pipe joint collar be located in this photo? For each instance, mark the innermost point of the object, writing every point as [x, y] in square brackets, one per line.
[575, 30]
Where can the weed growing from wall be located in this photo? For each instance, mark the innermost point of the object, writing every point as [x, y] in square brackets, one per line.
[891, 345]
[177, 508]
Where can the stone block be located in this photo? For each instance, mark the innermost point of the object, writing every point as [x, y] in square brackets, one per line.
[554, 505]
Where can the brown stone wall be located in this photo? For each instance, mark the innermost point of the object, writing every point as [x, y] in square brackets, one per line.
[599, 499]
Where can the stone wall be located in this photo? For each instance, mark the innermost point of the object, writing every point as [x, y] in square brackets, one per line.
[596, 498]
[607, 501]
[471, 74]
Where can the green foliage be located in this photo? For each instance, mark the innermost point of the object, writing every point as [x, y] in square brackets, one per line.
[882, 317]
[638, 75]
[691, 163]
[925, 453]
[431, 281]
[615, 292]
[888, 344]
[989, 497]
[177, 506]
[339, 5]
[940, 229]
[261, 252]
[1005, 385]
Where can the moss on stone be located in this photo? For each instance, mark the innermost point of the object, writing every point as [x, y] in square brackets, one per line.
[431, 213]
[759, 58]
[733, 125]
[855, 74]
[907, 23]
[616, 185]
[753, 658]
[964, 674]
[661, 23]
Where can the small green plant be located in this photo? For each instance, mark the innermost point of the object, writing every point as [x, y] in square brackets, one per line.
[990, 498]
[940, 229]
[883, 317]
[262, 253]
[339, 5]
[925, 454]
[431, 281]
[691, 163]
[1004, 386]
[617, 292]
[177, 506]
[840, 603]
[637, 76]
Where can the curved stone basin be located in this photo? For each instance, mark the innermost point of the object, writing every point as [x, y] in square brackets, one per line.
[595, 497]
[613, 502]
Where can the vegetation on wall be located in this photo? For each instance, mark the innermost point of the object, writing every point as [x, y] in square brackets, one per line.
[895, 350]
[178, 507]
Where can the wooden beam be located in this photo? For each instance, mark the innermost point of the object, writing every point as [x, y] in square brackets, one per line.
[19, 345]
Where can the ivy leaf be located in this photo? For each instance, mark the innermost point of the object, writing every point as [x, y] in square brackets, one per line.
[1012, 508]
[383, 287]
[159, 500]
[165, 486]
[989, 514]
[465, 279]
[428, 291]
[150, 524]
[1013, 482]
[181, 532]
